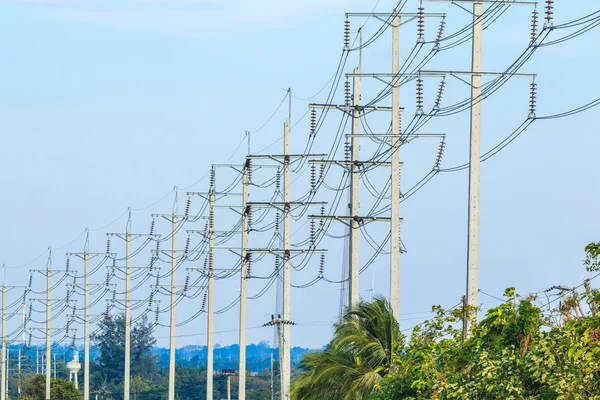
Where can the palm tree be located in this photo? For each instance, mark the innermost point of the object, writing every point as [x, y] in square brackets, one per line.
[359, 355]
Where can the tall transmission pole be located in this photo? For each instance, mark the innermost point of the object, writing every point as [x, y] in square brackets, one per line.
[3, 358]
[173, 318]
[287, 337]
[243, 299]
[48, 297]
[211, 289]
[354, 273]
[472, 281]
[86, 256]
[128, 237]
[395, 186]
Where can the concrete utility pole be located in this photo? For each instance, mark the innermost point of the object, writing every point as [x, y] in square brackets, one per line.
[395, 248]
[281, 323]
[286, 366]
[48, 316]
[355, 196]
[244, 265]
[3, 383]
[472, 291]
[173, 290]
[86, 256]
[128, 237]
[211, 289]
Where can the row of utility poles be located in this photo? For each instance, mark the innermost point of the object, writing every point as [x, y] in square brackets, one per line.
[354, 166]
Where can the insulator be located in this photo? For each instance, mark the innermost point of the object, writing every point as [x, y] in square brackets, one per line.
[313, 177]
[114, 295]
[278, 180]
[68, 325]
[549, 13]
[204, 301]
[157, 279]
[249, 216]
[30, 280]
[68, 295]
[152, 261]
[421, 24]
[107, 278]
[277, 221]
[438, 99]
[29, 340]
[321, 172]
[322, 265]
[187, 206]
[152, 227]
[156, 315]
[532, 100]
[249, 170]
[107, 310]
[249, 265]
[347, 151]
[347, 34]
[186, 286]
[440, 34]
[534, 26]
[322, 220]
[187, 244]
[312, 232]
[67, 266]
[107, 245]
[72, 343]
[440, 154]
[29, 312]
[276, 263]
[313, 121]
[212, 178]
[419, 96]
[348, 92]
[205, 262]
[157, 247]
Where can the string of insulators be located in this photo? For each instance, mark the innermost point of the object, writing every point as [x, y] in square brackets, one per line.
[322, 265]
[277, 221]
[30, 281]
[204, 301]
[68, 325]
[249, 265]
[532, 100]
[212, 178]
[249, 170]
[72, 343]
[421, 24]
[347, 34]
[107, 277]
[151, 298]
[313, 121]
[108, 246]
[187, 206]
[534, 26]
[29, 312]
[187, 244]
[322, 220]
[438, 160]
[312, 232]
[157, 279]
[156, 314]
[152, 226]
[313, 177]
[419, 96]
[107, 310]
[347, 150]
[205, 262]
[67, 265]
[249, 216]
[348, 92]
[440, 34]
[278, 180]
[438, 99]
[186, 286]
[321, 172]
[549, 12]
[152, 260]
[114, 295]
[29, 340]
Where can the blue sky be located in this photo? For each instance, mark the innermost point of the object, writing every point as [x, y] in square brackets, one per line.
[110, 104]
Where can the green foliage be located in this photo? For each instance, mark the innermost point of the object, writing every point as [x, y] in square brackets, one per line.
[34, 387]
[592, 260]
[362, 351]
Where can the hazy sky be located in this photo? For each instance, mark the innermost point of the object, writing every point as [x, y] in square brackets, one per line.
[110, 104]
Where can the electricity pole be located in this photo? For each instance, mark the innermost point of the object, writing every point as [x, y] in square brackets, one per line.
[243, 299]
[211, 285]
[86, 256]
[355, 196]
[128, 236]
[3, 383]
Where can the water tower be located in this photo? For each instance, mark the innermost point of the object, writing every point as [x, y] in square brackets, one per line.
[74, 366]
